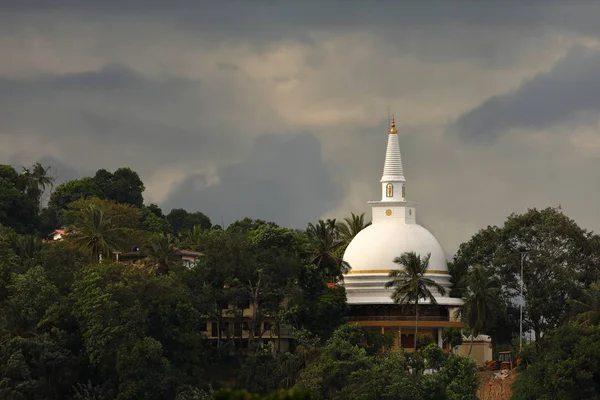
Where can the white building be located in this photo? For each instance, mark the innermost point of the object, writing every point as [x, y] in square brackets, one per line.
[371, 255]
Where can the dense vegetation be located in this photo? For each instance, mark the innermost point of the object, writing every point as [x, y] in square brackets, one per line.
[76, 324]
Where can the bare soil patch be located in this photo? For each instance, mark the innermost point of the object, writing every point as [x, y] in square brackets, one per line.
[495, 386]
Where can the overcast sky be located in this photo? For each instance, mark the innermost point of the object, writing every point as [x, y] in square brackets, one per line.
[278, 109]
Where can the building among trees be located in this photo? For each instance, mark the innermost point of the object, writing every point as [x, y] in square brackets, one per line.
[375, 252]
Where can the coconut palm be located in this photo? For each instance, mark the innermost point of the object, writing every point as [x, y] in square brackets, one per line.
[351, 226]
[324, 242]
[160, 253]
[192, 239]
[588, 307]
[93, 231]
[411, 285]
[38, 179]
[482, 301]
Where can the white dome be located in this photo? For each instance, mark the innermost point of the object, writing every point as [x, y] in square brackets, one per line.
[371, 256]
[376, 247]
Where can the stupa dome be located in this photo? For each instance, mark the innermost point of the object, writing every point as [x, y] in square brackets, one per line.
[375, 248]
[394, 231]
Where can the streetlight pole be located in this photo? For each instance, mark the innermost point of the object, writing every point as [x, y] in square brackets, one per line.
[521, 305]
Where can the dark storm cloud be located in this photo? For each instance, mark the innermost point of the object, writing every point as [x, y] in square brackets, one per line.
[118, 110]
[284, 179]
[272, 18]
[569, 90]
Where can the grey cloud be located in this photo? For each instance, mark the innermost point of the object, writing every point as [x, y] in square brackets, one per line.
[283, 179]
[116, 116]
[230, 14]
[494, 33]
[569, 90]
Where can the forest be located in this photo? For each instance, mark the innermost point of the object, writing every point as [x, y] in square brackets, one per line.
[77, 324]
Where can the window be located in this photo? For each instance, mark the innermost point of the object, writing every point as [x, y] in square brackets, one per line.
[403, 192]
[224, 305]
[225, 327]
[244, 304]
[389, 188]
[267, 326]
[213, 330]
[203, 327]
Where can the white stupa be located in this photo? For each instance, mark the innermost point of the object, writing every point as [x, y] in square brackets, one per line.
[394, 231]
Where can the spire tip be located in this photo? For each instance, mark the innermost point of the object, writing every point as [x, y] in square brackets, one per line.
[393, 126]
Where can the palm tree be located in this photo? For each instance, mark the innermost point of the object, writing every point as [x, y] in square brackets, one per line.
[351, 226]
[588, 308]
[94, 231]
[192, 239]
[38, 179]
[160, 253]
[324, 242]
[481, 302]
[411, 285]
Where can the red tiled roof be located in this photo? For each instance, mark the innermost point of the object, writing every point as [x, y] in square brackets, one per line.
[61, 232]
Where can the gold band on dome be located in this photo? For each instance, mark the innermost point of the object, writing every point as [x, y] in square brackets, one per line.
[387, 271]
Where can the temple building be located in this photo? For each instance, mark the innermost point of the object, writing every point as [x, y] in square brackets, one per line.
[394, 231]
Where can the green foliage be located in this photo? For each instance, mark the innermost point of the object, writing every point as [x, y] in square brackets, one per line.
[452, 336]
[29, 295]
[459, 378]
[351, 226]
[292, 394]
[153, 221]
[482, 302]
[143, 370]
[314, 306]
[570, 356]
[9, 262]
[434, 356]
[19, 200]
[68, 192]
[327, 376]
[93, 231]
[121, 215]
[61, 261]
[324, 243]
[246, 225]
[181, 220]
[258, 372]
[411, 285]
[587, 307]
[386, 379]
[123, 187]
[560, 257]
[373, 341]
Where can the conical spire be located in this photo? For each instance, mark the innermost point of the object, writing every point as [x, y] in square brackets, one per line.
[392, 169]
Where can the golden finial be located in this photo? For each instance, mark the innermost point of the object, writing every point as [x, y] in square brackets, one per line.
[393, 128]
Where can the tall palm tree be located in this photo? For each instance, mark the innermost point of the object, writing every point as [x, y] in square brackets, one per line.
[411, 285]
[588, 307]
[94, 231]
[160, 253]
[351, 226]
[324, 242]
[38, 179]
[482, 301]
